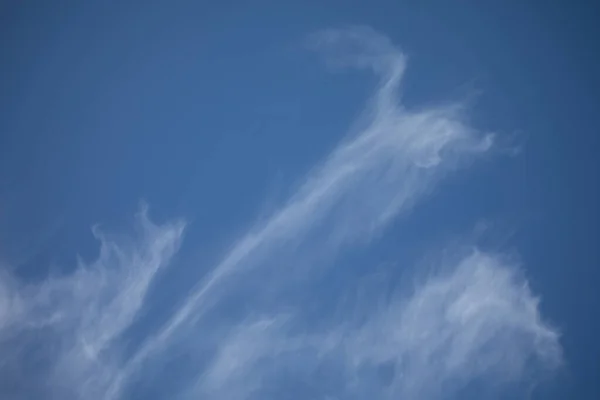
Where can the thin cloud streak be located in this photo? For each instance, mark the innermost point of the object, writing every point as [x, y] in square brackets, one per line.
[364, 183]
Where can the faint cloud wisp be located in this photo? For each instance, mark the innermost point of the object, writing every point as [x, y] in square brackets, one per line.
[59, 338]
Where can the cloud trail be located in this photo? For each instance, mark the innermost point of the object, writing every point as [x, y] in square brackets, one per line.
[377, 173]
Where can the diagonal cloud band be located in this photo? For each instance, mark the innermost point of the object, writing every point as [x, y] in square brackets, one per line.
[366, 181]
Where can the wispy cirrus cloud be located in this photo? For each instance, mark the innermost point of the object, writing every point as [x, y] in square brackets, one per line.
[377, 172]
[474, 323]
[58, 338]
[244, 329]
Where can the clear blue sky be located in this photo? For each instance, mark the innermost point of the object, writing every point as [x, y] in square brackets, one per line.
[211, 201]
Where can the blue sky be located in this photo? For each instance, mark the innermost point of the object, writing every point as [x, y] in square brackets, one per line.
[299, 200]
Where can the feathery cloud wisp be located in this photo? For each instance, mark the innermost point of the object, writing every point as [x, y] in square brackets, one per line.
[475, 322]
[59, 337]
[376, 173]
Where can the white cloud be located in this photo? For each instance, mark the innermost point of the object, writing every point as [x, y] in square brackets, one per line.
[478, 321]
[60, 337]
[376, 173]
[475, 322]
